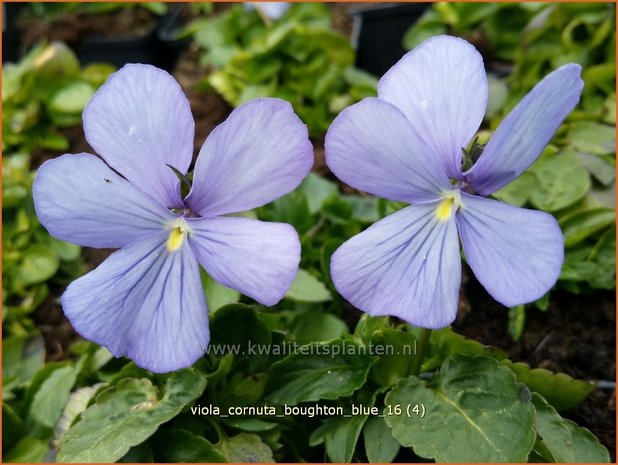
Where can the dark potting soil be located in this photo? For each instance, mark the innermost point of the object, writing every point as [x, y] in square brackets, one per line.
[73, 28]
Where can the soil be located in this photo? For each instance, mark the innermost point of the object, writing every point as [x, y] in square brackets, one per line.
[73, 28]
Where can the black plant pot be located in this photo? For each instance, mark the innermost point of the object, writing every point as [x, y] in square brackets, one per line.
[168, 30]
[10, 34]
[120, 51]
[154, 47]
[378, 33]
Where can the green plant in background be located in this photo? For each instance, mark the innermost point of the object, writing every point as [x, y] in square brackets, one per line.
[45, 91]
[297, 57]
[575, 177]
[32, 263]
[30, 256]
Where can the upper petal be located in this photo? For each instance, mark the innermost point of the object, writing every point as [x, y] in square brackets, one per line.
[259, 153]
[139, 121]
[79, 199]
[373, 147]
[256, 258]
[441, 87]
[144, 302]
[524, 133]
[406, 265]
[515, 253]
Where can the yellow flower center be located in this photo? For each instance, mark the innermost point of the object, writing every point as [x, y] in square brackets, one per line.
[450, 203]
[179, 230]
[445, 209]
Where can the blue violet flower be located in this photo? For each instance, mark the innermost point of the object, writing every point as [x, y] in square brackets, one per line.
[146, 300]
[406, 145]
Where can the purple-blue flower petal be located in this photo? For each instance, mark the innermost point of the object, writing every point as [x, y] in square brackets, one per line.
[524, 133]
[259, 153]
[373, 147]
[139, 121]
[256, 258]
[79, 199]
[515, 253]
[406, 265]
[441, 87]
[144, 302]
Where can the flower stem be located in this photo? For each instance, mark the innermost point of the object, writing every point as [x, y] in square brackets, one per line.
[217, 427]
[423, 344]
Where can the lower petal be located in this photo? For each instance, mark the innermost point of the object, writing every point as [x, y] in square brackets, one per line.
[143, 302]
[515, 253]
[256, 258]
[406, 265]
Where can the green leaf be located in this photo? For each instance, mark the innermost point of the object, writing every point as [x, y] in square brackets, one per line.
[517, 321]
[609, 108]
[566, 441]
[56, 59]
[13, 428]
[22, 357]
[126, 414]
[28, 450]
[174, 446]
[602, 168]
[593, 138]
[475, 411]
[317, 189]
[292, 208]
[561, 391]
[64, 250]
[311, 326]
[561, 181]
[368, 325]
[55, 142]
[242, 390]
[340, 436]
[380, 446]
[238, 326]
[46, 398]
[498, 92]
[603, 255]
[245, 447]
[428, 25]
[138, 454]
[307, 288]
[39, 263]
[97, 73]
[445, 343]
[250, 425]
[397, 350]
[364, 209]
[72, 99]
[517, 192]
[319, 371]
[217, 295]
[578, 226]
